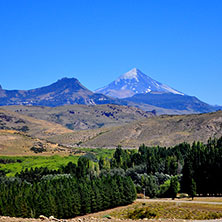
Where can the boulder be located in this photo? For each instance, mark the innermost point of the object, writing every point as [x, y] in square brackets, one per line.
[42, 217]
[51, 218]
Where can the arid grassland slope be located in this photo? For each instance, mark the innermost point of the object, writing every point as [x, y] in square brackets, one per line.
[14, 143]
[25, 127]
[19, 133]
[163, 130]
[34, 127]
[82, 117]
[109, 125]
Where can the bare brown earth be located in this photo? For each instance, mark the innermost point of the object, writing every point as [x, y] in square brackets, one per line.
[163, 131]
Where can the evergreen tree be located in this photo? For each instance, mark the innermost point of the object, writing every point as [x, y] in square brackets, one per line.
[174, 187]
[193, 189]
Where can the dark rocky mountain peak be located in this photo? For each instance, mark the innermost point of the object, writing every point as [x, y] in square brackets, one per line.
[65, 85]
[65, 91]
[72, 83]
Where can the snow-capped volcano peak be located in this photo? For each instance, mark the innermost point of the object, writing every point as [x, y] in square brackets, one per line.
[132, 74]
[134, 82]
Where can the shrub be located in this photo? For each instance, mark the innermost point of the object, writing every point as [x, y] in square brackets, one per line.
[141, 213]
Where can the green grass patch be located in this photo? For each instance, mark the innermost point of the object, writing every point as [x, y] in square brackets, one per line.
[51, 162]
[17, 163]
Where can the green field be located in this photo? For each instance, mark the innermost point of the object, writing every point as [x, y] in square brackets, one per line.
[51, 162]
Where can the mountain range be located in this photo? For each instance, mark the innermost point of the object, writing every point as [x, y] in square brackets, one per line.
[133, 88]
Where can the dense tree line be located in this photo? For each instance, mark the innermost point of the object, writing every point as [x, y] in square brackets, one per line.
[63, 196]
[202, 168]
[197, 168]
[81, 191]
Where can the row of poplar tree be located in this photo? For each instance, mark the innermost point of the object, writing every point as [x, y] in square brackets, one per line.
[194, 169]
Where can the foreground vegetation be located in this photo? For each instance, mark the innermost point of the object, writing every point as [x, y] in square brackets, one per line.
[71, 186]
[64, 193]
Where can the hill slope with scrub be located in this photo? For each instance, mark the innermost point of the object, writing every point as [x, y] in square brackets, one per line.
[163, 131]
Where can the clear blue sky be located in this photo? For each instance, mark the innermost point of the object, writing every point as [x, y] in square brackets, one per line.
[177, 42]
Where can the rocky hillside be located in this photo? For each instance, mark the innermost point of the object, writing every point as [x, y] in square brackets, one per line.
[23, 135]
[31, 126]
[15, 143]
[163, 130]
[82, 117]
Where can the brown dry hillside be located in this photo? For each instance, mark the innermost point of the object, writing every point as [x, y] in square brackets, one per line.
[31, 126]
[83, 117]
[163, 130]
[14, 143]
[18, 134]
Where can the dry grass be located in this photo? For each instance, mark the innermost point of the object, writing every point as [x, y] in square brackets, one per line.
[164, 210]
[83, 117]
[78, 137]
[163, 131]
[34, 127]
[209, 199]
[14, 143]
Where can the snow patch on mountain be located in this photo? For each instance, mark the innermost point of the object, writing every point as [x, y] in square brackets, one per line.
[172, 90]
[132, 74]
[134, 82]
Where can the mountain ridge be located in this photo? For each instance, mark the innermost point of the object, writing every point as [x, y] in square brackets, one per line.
[62, 92]
[179, 103]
